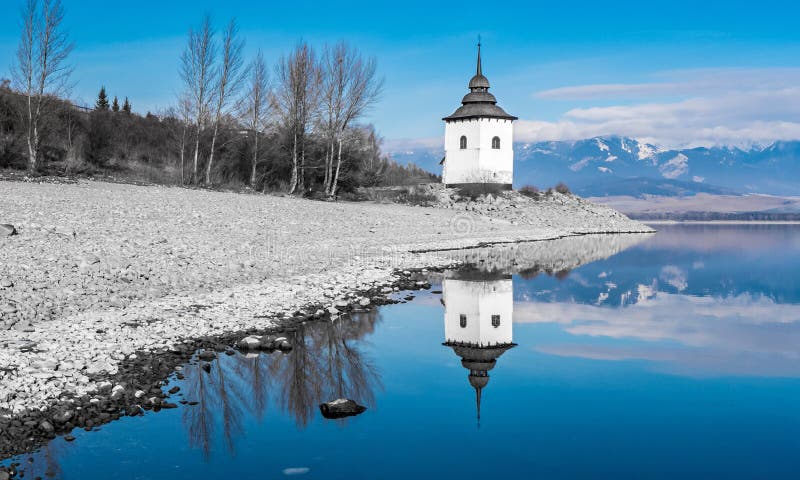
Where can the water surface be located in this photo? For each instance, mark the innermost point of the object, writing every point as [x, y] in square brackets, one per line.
[676, 356]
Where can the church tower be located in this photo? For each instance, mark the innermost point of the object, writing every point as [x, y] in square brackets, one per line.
[478, 139]
[478, 325]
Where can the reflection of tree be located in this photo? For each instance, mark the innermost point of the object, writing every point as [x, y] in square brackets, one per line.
[45, 461]
[199, 419]
[326, 362]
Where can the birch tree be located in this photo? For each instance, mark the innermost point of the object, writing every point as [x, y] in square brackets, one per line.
[351, 88]
[257, 108]
[297, 98]
[198, 73]
[41, 71]
[228, 82]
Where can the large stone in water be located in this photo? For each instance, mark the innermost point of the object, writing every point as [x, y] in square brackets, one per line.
[7, 230]
[341, 408]
[249, 343]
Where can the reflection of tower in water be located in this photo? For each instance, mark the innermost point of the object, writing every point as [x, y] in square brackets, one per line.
[478, 323]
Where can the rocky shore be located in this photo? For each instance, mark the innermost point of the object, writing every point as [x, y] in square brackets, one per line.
[105, 288]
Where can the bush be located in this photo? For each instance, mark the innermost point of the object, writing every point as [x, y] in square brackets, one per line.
[562, 188]
[417, 198]
[475, 190]
[530, 191]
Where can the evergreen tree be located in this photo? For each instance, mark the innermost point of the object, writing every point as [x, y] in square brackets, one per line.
[102, 100]
[126, 107]
[115, 105]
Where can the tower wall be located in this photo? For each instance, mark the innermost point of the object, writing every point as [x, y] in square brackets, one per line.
[479, 300]
[479, 162]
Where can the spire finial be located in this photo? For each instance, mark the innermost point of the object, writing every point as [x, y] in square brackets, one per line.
[480, 70]
[478, 403]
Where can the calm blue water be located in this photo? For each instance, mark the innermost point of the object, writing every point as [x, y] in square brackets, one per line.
[678, 357]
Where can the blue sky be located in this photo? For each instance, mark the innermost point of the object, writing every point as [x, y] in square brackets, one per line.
[676, 73]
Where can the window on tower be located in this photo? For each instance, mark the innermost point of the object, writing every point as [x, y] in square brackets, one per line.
[462, 321]
[463, 142]
[496, 143]
[495, 321]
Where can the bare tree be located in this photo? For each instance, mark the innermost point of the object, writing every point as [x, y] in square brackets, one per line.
[299, 80]
[198, 73]
[257, 108]
[41, 71]
[179, 121]
[228, 82]
[351, 88]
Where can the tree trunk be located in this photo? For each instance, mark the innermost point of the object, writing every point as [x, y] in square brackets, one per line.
[302, 181]
[211, 156]
[196, 154]
[327, 159]
[183, 151]
[293, 180]
[31, 152]
[338, 167]
[255, 161]
[32, 137]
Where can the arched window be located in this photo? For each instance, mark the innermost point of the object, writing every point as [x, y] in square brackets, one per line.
[495, 321]
[496, 143]
[463, 142]
[463, 321]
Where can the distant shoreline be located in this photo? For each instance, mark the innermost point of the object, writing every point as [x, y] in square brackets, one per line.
[720, 222]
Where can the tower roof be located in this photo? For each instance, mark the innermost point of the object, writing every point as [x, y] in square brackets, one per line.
[479, 360]
[479, 103]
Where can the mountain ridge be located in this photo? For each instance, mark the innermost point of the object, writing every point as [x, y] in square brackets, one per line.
[616, 165]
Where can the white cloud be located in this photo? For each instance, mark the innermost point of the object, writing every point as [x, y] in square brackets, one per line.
[675, 167]
[743, 334]
[712, 107]
[682, 83]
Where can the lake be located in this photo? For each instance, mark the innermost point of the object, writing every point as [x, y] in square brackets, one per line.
[662, 356]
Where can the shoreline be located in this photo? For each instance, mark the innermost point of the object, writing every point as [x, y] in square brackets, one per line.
[720, 222]
[79, 352]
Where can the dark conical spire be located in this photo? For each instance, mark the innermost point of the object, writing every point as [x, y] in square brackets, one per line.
[480, 70]
[478, 404]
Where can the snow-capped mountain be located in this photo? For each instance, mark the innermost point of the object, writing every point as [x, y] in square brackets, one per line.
[624, 166]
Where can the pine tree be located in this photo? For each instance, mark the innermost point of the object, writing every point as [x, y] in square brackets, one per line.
[115, 105]
[102, 100]
[126, 107]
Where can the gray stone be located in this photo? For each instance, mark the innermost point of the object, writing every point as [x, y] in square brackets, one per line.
[7, 230]
[341, 408]
[249, 343]
[117, 392]
[47, 426]
[6, 283]
[207, 355]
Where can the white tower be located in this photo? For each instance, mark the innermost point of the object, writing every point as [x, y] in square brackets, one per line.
[478, 139]
[478, 325]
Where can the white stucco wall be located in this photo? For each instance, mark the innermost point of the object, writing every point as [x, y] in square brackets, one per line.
[478, 301]
[479, 162]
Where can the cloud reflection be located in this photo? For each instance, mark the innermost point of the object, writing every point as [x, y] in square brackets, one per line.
[743, 334]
